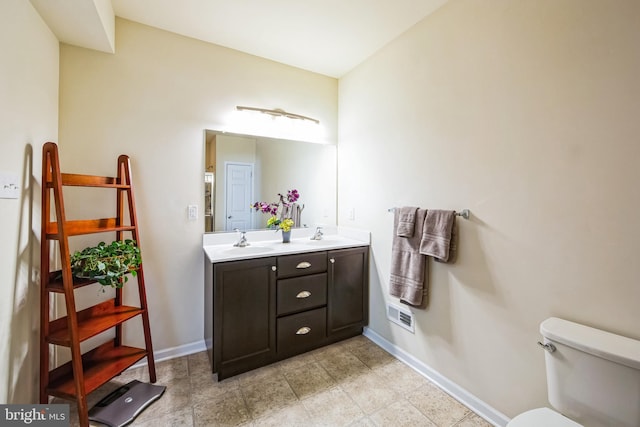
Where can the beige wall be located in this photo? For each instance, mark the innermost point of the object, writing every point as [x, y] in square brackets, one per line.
[29, 111]
[153, 100]
[526, 113]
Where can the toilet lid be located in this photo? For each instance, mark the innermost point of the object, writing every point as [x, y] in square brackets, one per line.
[542, 417]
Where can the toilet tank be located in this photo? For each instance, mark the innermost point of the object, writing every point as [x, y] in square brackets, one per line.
[593, 376]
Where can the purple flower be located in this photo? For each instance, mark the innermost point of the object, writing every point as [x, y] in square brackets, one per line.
[293, 195]
[273, 208]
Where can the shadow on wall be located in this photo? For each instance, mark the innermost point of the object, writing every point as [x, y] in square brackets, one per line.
[470, 270]
[25, 320]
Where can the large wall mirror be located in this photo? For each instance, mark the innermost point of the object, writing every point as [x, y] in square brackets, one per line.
[243, 169]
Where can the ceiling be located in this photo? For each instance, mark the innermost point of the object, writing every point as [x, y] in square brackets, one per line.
[329, 37]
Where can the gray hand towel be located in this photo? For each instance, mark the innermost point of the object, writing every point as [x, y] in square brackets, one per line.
[436, 234]
[406, 221]
[408, 266]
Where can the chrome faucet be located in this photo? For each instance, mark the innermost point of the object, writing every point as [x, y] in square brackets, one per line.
[242, 241]
[318, 234]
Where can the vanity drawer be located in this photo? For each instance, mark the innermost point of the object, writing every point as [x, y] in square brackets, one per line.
[301, 293]
[302, 264]
[302, 331]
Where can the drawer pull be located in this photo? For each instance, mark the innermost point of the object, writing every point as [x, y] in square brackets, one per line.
[304, 294]
[274, 268]
[332, 260]
[303, 331]
[304, 264]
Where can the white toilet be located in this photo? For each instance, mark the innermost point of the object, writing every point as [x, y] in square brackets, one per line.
[593, 378]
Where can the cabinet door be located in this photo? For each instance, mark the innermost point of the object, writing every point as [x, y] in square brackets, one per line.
[348, 291]
[244, 315]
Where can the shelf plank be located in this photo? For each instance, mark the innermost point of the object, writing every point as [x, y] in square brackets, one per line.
[91, 322]
[99, 366]
[78, 180]
[54, 284]
[87, 226]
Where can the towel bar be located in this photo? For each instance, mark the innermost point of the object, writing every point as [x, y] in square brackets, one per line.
[465, 213]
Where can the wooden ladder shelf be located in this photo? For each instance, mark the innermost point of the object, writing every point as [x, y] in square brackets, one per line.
[85, 372]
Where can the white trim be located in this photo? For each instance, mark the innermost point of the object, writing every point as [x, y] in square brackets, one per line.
[173, 352]
[490, 414]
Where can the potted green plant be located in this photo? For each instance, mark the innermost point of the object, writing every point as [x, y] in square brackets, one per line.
[107, 264]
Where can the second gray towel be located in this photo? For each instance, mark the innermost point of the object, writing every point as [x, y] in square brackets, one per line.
[436, 234]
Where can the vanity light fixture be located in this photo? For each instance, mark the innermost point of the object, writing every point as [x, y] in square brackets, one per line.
[278, 113]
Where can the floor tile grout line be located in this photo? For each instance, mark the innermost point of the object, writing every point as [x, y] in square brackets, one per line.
[286, 405]
[423, 414]
[193, 368]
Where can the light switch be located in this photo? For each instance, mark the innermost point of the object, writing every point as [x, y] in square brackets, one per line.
[193, 212]
[9, 188]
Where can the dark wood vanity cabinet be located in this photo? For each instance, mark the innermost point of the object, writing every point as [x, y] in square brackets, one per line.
[262, 310]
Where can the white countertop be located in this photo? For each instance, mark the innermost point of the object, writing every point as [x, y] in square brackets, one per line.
[266, 243]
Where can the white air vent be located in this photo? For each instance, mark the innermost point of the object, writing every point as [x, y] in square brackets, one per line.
[400, 316]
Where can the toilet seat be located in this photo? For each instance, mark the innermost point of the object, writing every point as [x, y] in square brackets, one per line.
[542, 417]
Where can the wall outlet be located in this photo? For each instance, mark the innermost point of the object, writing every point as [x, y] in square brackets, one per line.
[192, 212]
[352, 214]
[9, 188]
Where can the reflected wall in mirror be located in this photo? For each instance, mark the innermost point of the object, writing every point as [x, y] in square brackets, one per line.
[243, 169]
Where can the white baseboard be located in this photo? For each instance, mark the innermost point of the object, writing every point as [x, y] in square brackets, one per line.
[173, 352]
[490, 414]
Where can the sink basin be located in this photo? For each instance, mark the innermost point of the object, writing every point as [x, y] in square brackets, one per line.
[235, 250]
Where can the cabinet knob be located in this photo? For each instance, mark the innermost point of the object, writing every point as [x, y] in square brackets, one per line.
[332, 260]
[274, 268]
[303, 331]
[304, 264]
[304, 294]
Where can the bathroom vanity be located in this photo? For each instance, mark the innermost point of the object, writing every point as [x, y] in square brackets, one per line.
[272, 300]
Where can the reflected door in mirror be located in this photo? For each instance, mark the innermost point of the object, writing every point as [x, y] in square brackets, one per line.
[239, 195]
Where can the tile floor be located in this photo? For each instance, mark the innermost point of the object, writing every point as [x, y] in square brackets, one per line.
[351, 383]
